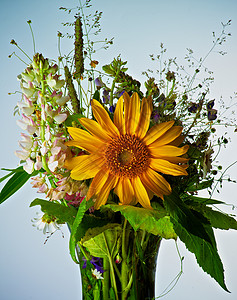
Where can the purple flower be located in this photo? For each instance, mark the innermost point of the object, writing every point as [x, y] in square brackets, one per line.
[112, 108]
[193, 108]
[212, 114]
[106, 96]
[210, 104]
[98, 82]
[96, 262]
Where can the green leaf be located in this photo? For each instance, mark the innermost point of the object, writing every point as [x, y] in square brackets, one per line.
[75, 230]
[204, 249]
[96, 95]
[191, 220]
[73, 118]
[154, 221]
[107, 69]
[19, 178]
[207, 201]
[65, 214]
[89, 221]
[218, 219]
[12, 171]
[200, 186]
[103, 241]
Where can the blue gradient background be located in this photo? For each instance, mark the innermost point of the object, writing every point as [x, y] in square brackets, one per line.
[28, 268]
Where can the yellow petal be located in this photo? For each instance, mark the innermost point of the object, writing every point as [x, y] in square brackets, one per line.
[177, 160]
[140, 192]
[72, 162]
[178, 141]
[94, 128]
[166, 167]
[156, 183]
[87, 142]
[145, 115]
[124, 191]
[131, 121]
[168, 150]
[86, 166]
[103, 118]
[97, 184]
[168, 137]
[119, 117]
[127, 100]
[104, 192]
[157, 131]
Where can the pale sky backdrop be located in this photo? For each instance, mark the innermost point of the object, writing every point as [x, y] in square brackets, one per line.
[30, 270]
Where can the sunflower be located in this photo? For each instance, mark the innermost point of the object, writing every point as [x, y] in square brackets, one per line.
[125, 155]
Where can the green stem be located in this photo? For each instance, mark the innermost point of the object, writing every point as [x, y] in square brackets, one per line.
[124, 267]
[106, 279]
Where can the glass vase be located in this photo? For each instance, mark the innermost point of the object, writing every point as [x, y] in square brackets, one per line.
[128, 274]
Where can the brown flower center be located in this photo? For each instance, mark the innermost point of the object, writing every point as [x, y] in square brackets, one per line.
[126, 156]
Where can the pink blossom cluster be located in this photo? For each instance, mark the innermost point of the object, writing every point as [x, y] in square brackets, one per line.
[66, 188]
[43, 108]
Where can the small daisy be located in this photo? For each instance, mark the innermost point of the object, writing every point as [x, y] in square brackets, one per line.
[97, 274]
[46, 222]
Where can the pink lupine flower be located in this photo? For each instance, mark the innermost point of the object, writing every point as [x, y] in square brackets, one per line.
[47, 133]
[26, 106]
[27, 76]
[27, 124]
[75, 199]
[38, 165]
[49, 110]
[22, 154]
[60, 117]
[27, 142]
[39, 182]
[29, 166]
[63, 100]
[28, 89]
[44, 148]
[53, 69]
[52, 163]
[54, 82]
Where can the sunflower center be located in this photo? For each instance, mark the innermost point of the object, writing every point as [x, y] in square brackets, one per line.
[126, 156]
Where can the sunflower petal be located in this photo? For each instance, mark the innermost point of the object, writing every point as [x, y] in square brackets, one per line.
[85, 166]
[157, 131]
[156, 183]
[140, 192]
[124, 191]
[84, 140]
[104, 192]
[177, 160]
[168, 137]
[103, 118]
[134, 114]
[166, 167]
[94, 128]
[119, 117]
[97, 184]
[145, 115]
[168, 150]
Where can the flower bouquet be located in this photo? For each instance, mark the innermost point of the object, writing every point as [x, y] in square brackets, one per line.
[120, 164]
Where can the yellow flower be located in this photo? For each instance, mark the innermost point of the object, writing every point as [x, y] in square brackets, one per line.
[125, 155]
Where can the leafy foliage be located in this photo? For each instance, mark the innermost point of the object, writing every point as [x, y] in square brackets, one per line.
[18, 179]
[65, 214]
[195, 231]
[153, 221]
[103, 241]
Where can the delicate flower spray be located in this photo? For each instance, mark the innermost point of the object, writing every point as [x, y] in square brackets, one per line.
[120, 165]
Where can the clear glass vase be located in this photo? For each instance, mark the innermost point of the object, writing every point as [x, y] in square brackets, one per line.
[129, 275]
